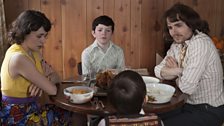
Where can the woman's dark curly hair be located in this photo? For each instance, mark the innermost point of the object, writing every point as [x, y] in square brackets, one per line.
[181, 12]
[27, 21]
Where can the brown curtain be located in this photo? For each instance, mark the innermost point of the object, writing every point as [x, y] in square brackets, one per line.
[3, 32]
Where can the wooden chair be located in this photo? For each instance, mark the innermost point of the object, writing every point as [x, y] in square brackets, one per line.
[79, 66]
[133, 120]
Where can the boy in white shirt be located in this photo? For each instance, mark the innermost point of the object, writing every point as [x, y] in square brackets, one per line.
[103, 53]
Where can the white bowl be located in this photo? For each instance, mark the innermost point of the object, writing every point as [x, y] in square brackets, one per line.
[148, 79]
[160, 92]
[79, 98]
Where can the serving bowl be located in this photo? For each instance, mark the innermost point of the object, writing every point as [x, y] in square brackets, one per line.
[159, 92]
[79, 94]
[149, 79]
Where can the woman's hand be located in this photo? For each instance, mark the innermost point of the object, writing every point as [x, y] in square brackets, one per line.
[47, 68]
[50, 73]
[34, 91]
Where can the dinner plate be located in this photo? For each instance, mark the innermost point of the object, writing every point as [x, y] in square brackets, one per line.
[149, 79]
[159, 93]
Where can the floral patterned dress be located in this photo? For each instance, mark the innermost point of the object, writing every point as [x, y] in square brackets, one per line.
[32, 114]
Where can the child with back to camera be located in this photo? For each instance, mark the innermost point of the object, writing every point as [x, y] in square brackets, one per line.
[127, 93]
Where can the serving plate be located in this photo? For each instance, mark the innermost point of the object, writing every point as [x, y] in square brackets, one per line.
[159, 93]
[149, 79]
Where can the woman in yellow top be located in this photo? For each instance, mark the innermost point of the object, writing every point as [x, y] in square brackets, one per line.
[23, 75]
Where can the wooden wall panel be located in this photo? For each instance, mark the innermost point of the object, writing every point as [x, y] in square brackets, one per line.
[220, 19]
[148, 34]
[94, 9]
[34, 5]
[53, 47]
[160, 49]
[138, 28]
[206, 11]
[13, 8]
[169, 3]
[73, 34]
[135, 34]
[108, 8]
[219, 24]
[122, 16]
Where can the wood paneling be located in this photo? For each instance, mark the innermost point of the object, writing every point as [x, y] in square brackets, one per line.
[122, 32]
[148, 49]
[219, 20]
[94, 9]
[108, 8]
[53, 47]
[73, 34]
[135, 41]
[138, 27]
[158, 28]
[34, 4]
[13, 8]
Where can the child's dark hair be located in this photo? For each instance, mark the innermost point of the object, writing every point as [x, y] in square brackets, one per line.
[181, 12]
[105, 20]
[127, 92]
[27, 21]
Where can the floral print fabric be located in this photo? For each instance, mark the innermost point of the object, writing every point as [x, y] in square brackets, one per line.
[31, 114]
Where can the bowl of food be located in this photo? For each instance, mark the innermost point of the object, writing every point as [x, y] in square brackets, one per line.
[159, 92]
[149, 79]
[79, 94]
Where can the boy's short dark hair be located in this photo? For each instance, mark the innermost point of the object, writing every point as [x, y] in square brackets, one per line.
[105, 20]
[127, 92]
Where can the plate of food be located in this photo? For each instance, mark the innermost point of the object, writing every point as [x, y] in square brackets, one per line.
[159, 93]
[79, 94]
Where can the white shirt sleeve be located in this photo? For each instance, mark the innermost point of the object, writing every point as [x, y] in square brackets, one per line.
[102, 123]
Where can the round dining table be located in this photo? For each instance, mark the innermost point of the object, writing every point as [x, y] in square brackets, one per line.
[105, 108]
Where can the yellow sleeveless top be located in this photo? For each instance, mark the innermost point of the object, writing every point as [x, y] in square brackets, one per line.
[16, 87]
